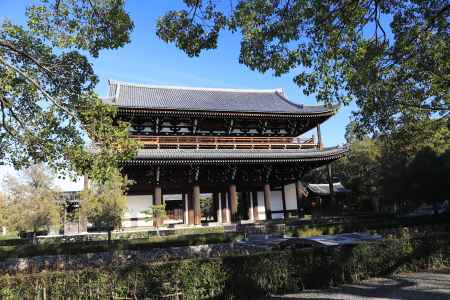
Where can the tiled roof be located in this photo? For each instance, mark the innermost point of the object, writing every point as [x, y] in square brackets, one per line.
[324, 188]
[128, 95]
[236, 155]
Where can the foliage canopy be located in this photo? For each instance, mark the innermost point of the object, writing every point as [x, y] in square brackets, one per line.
[391, 57]
[32, 203]
[48, 108]
[105, 204]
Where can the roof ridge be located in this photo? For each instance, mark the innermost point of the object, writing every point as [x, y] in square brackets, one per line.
[276, 91]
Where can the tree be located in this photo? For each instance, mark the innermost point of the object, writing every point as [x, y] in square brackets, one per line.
[391, 57]
[47, 100]
[32, 203]
[105, 204]
[404, 151]
[156, 213]
[3, 214]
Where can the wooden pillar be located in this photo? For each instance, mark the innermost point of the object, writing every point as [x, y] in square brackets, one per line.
[196, 200]
[319, 137]
[185, 209]
[233, 201]
[157, 200]
[215, 206]
[190, 209]
[331, 186]
[268, 201]
[251, 215]
[225, 212]
[299, 192]
[255, 206]
[219, 208]
[283, 200]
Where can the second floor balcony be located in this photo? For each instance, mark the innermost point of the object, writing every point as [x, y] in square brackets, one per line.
[193, 142]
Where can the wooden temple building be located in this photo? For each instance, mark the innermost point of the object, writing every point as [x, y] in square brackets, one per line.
[241, 148]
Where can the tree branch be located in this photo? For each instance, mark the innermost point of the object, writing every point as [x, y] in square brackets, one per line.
[2, 106]
[40, 88]
[23, 53]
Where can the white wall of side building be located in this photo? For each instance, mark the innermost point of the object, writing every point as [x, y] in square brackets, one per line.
[277, 201]
[261, 206]
[137, 204]
[277, 204]
[290, 195]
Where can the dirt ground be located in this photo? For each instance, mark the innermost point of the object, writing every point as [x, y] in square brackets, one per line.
[421, 286]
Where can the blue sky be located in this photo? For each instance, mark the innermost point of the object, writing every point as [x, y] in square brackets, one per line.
[149, 60]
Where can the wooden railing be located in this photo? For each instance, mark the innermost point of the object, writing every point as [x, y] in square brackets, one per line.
[193, 142]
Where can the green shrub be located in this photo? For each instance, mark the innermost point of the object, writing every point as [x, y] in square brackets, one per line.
[242, 277]
[55, 247]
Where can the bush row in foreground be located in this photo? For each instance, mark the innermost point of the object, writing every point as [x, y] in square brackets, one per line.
[234, 277]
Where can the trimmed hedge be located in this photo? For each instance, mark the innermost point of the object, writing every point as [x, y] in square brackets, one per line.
[53, 247]
[424, 224]
[243, 277]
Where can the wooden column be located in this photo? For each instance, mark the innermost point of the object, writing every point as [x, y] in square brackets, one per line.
[233, 201]
[190, 209]
[299, 192]
[196, 200]
[219, 208]
[331, 186]
[268, 201]
[223, 201]
[283, 200]
[157, 200]
[255, 206]
[215, 206]
[319, 137]
[251, 215]
[185, 208]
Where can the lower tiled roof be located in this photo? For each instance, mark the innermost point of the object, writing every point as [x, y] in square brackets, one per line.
[238, 155]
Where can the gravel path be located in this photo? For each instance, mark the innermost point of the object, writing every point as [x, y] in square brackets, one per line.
[421, 286]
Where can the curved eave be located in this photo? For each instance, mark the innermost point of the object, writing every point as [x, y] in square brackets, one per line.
[212, 157]
[138, 111]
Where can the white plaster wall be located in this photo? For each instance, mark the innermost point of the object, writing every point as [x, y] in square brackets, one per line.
[172, 197]
[277, 204]
[136, 204]
[261, 209]
[290, 196]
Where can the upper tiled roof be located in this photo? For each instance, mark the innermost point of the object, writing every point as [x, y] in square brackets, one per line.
[205, 99]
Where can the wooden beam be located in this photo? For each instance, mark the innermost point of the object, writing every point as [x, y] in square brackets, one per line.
[268, 201]
[196, 200]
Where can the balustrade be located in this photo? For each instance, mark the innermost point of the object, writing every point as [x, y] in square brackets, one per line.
[193, 142]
